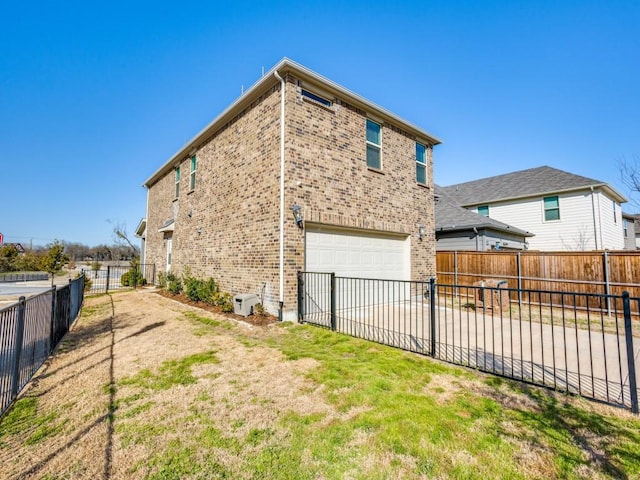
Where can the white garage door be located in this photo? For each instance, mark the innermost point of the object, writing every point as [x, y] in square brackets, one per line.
[359, 254]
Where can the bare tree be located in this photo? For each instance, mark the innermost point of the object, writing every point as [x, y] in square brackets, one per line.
[121, 239]
[630, 177]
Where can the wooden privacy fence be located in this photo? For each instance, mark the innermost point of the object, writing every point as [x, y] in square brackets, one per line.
[599, 272]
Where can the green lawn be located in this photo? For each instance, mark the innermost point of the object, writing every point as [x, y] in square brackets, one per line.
[387, 414]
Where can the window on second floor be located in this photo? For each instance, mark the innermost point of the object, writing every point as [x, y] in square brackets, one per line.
[615, 215]
[483, 210]
[192, 175]
[374, 145]
[421, 164]
[625, 228]
[177, 182]
[551, 208]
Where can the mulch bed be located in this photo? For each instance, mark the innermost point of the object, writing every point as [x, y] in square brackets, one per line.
[258, 320]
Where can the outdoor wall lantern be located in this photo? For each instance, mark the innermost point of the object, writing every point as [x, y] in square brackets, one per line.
[297, 215]
[422, 231]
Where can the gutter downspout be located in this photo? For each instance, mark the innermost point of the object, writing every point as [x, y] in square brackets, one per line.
[281, 272]
[595, 224]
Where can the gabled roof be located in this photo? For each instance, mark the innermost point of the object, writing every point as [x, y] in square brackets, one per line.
[452, 217]
[284, 67]
[522, 184]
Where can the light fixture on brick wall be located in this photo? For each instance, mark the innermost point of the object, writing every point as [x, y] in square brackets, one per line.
[297, 215]
[422, 231]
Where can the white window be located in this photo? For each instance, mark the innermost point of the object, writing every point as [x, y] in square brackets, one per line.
[177, 181]
[483, 210]
[615, 216]
[551, 208]
[421, 164]
[374, 145]
[192, 175]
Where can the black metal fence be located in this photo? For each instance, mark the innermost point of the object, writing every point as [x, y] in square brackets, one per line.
[23, 276]
[120, 277]
[30, 330]
[542, 338]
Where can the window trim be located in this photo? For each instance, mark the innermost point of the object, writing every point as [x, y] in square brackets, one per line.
[377, 146]
[177, 181]
[547, 210]
[422, 164]
[192, 173]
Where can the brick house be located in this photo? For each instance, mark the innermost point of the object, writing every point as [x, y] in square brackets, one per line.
[360, 177]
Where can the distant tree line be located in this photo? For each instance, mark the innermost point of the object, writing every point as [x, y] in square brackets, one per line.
[41, 258]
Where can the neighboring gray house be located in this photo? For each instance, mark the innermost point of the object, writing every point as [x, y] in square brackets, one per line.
[631, 231]
[460, 229]
[564, 211]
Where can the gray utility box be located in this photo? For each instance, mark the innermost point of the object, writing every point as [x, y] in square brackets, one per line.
[243, 304]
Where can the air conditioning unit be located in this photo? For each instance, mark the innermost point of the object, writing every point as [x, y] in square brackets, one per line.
[243, 304]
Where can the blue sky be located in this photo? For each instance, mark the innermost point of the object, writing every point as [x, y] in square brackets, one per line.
[94, 97]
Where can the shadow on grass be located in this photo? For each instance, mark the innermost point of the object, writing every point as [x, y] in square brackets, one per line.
[563, 423]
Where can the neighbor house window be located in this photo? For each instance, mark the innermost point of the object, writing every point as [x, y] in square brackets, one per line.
[421, 164]
[192, 175]
[483, 210]
[624, 227]
[551, 208]
[177, 181]
[615, 217]
[373, 145]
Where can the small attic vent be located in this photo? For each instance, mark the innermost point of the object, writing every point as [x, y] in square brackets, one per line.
[307, 95]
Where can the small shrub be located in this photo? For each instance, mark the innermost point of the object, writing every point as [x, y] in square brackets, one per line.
[132, 278]
[162, 280]
[258, 310]
[224, 301]
[208, 288]
[174, 283]
[193, 289]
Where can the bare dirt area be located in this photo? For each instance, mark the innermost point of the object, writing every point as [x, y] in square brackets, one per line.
[119, 376]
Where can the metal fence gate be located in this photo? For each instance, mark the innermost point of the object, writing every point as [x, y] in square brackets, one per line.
[117, 277]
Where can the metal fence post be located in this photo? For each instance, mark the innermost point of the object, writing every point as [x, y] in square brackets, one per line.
[333, 301]
[607, 286]
[432, 305]
[300, 297]
[15, 383]
[106, 288]
[631, 362]
[69, 306]
[52, 333]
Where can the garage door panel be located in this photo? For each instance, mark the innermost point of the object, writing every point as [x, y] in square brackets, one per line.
[357, 253]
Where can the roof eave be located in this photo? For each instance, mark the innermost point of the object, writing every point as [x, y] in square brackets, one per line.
[605, 186]
[485, 226]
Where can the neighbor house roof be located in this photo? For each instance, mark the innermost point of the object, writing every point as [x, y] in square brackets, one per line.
[452, 217]
[522, 184]
[284, 67]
